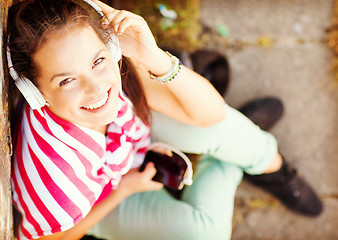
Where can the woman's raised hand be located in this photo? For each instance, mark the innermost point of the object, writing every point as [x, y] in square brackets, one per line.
[136, 39]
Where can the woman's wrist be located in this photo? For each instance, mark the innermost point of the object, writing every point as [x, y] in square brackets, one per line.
[121, 193]
[159, 63]
[166, 78]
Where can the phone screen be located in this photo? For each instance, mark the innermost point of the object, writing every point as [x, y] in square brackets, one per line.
[170, 170]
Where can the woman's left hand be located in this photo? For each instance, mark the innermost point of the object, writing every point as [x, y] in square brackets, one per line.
[136, 40]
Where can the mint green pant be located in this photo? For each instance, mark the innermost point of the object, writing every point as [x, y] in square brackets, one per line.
[206, 207]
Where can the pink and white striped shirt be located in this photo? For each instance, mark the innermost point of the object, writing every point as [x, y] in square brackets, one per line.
[61, 170]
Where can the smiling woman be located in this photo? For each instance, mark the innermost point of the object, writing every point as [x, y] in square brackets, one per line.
[79, 86]
[78, 151]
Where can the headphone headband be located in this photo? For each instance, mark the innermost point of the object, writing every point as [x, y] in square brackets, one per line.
[96, 8]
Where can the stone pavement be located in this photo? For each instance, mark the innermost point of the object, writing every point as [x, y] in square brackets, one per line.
[278, 48]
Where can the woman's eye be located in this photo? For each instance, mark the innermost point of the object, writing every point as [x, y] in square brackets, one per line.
[97, 62]
[65, 81]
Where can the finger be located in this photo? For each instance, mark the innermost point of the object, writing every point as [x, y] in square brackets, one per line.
[150, 170]
[108, 12]
[116, 20]
[105, 8]
[123, 20]
[156, 185]
[163, 150]
[109, 16]
[123, 24]
[160, 149]
[168, 152]
[157, 149]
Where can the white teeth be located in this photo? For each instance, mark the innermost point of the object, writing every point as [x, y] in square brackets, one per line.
[98, 104]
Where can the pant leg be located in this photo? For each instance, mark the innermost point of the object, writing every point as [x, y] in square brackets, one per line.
[236, 140]
[204, 213]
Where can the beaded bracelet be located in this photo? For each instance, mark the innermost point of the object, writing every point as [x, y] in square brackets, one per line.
[171, 74]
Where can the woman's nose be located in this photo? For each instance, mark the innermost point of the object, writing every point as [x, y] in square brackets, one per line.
[92, 85]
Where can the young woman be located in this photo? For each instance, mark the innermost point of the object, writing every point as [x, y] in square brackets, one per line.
[75, 167]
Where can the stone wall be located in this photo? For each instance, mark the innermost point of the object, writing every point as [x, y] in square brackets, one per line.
[5, 152]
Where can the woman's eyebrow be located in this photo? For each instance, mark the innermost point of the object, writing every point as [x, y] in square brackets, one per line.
[69, 73]
[60, 75]
[98, 54]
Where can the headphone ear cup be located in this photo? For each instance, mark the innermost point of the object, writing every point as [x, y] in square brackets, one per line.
[30, 92]
[114, 48]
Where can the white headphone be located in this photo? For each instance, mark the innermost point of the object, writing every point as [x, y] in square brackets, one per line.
[187, 178]
[31, 93]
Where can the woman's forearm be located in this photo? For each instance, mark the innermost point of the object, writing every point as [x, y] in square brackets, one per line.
[198, 97]
[189, 98]
[132, 182]
[97, 213]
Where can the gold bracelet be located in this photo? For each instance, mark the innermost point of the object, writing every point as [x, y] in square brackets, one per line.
[171, 74]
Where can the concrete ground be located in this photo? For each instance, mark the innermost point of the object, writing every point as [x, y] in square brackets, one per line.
[277, 48]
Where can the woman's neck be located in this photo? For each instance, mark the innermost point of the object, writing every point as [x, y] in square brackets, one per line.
[101, 129]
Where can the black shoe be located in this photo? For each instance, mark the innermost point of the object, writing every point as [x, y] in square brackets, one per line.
[290, 189]
[264, 112]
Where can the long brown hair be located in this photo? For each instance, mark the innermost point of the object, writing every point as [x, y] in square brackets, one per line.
[30, 21]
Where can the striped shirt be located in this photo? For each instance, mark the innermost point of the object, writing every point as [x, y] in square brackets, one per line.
[61, 170]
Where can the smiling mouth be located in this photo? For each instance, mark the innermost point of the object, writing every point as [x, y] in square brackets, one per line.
[99, 103]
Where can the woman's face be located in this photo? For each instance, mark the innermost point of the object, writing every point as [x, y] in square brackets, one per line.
[78, 77]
